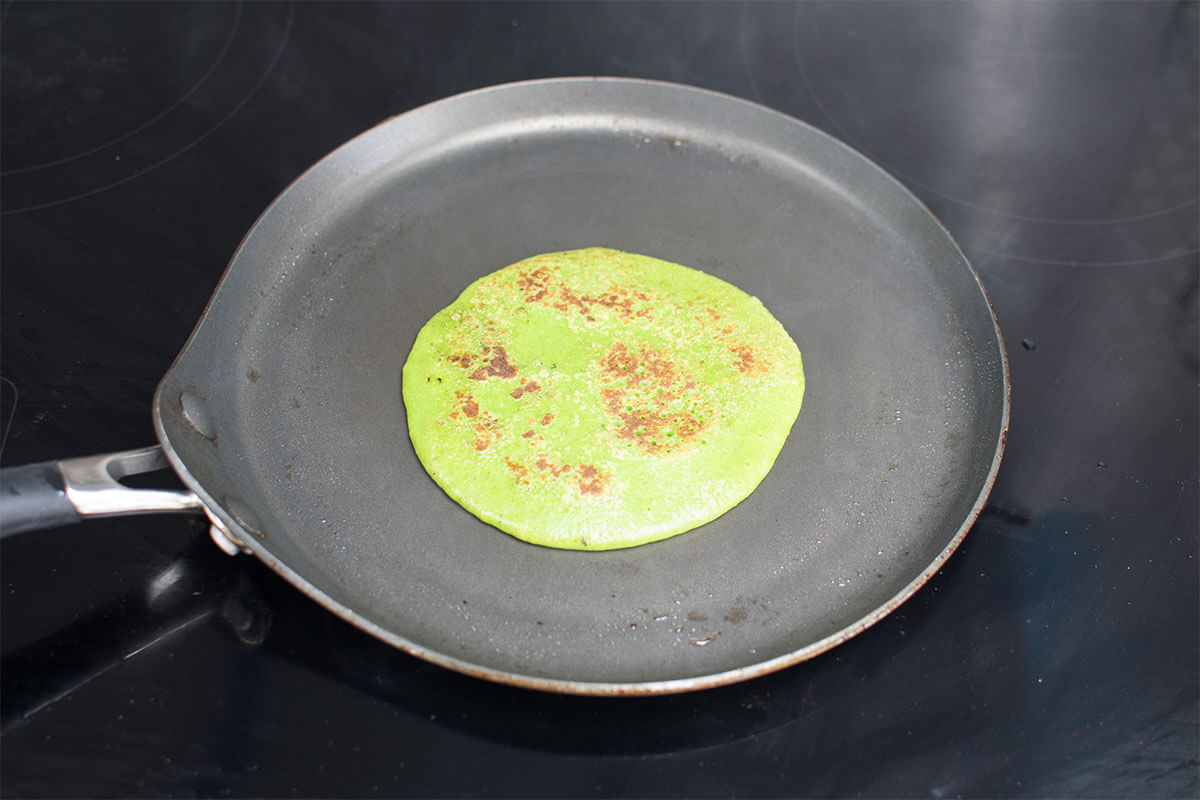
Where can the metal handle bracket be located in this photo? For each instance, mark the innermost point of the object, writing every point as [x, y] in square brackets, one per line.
[92, 484]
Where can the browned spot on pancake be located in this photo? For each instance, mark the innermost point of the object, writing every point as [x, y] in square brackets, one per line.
[619, 362]
[496, 367]
[644, 395]
[661, 369]
[646, 366]
[546, 420]
[613, 400]
[543, 285]
[654, 431]
[521, 472]
[591, 480]
[464, 360]
[486, 426]
[466, 404]
[518, 392]
[534, 284]
[569, 298]
[554, 469]
[528, 434]
[748, 358]
[617, 302]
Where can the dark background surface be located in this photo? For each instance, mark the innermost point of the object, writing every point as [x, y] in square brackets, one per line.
[1055, 655]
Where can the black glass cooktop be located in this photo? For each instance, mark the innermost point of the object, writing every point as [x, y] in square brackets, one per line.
[1056, 654]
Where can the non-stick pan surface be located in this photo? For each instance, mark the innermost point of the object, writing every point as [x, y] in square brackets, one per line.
[284, 411]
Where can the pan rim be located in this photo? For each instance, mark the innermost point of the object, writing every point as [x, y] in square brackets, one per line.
[250, 544]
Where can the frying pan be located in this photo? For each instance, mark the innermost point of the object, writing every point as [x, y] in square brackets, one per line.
[283, 414]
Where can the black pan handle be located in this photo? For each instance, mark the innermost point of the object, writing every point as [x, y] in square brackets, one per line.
[34, 496]
[54, 493]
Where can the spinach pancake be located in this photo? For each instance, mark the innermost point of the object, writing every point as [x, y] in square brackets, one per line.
[595, 399]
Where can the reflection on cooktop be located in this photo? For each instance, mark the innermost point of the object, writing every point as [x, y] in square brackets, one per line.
[1006, 149]
[135, 103]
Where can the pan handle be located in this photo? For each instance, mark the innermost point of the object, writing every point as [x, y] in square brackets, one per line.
[55, 493]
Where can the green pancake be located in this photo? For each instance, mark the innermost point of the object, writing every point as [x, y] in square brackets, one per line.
[596, 399]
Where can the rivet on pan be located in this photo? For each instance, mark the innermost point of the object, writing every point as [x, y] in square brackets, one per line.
[243, 515]
[222, 538]
[196, 413]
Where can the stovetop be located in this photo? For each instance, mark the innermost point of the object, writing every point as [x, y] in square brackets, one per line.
[1056, 654]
